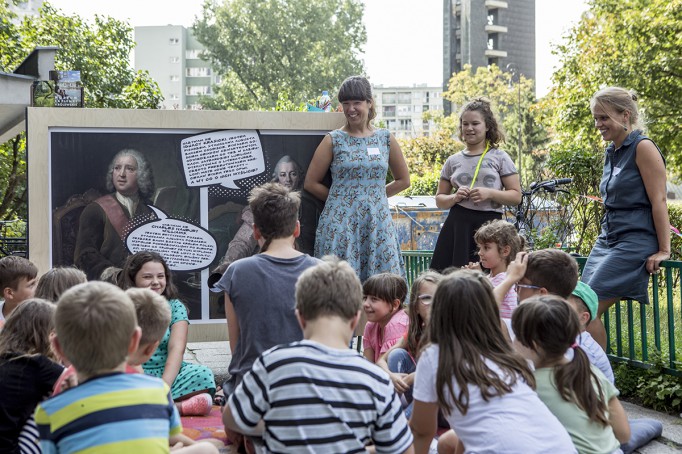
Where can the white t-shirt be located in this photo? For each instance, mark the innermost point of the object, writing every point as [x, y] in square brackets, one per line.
[517, 422]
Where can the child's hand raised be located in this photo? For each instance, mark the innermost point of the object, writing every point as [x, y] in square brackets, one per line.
[517, 268]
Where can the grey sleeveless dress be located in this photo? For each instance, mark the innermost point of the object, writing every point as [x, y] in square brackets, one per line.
[616, 267]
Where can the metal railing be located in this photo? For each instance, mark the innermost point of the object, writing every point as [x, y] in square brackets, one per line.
[635, 332]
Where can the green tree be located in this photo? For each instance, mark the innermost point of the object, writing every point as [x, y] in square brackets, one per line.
[100, 51]
[264, 47]
[503, 90]
[629, 43]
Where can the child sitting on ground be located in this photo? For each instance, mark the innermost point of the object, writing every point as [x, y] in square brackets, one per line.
[57, 280]
[575, 391]
[387, 322]
[153, 317]
[498, 243]
[471, 372]
[327, 398]
[400, 360]
[103, 413]
[192, 385]
[547, 271]
[18, 283]
[584, 302]
[28, 369]
[259, 290]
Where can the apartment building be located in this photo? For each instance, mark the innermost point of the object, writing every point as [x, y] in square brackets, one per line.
[171, 54]
[401, 108]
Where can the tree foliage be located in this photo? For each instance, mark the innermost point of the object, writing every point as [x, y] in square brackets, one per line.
[630, 43]
[264, 47]
[100, 51]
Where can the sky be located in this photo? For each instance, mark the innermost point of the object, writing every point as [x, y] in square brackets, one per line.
[404, 37]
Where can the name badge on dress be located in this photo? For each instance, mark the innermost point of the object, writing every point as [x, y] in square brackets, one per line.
[373, 151]
[616, 171]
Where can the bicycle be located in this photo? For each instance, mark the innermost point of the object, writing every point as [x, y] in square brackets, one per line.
[535, 213]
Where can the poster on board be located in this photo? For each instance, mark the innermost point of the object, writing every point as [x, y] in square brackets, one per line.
[182, 193]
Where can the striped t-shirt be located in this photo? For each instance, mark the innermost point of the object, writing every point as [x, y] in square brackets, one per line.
[110, 413]
[315, 399]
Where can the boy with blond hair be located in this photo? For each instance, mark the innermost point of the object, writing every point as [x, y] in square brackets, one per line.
[18, 283]
[96, 331]
[347, 402]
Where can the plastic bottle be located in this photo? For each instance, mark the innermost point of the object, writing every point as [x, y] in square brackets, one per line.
[325, 102]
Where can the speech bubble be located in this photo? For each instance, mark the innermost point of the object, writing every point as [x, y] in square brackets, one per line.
[221, 157]
[184, 246]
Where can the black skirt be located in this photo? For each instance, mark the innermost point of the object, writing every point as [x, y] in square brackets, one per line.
[456, 245]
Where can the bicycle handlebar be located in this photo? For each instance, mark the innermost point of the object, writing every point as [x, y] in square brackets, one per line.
[550, 183]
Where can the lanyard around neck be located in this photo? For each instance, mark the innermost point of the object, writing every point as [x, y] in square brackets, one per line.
[480, 160]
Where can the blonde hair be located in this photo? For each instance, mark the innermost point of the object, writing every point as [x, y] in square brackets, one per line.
[619, 100]
[56, 281]
[153, 314]
[330, 288]
[95, 322]
[27, 330]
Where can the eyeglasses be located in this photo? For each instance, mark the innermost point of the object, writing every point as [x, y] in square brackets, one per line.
[532, 287]
[425, 299]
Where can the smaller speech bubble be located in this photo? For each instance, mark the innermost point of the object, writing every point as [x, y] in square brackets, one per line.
[221, 157]
[184, 246]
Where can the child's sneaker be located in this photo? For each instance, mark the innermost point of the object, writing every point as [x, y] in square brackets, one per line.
[199, 405]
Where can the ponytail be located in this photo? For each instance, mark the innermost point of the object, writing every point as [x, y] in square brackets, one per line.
[577, 383]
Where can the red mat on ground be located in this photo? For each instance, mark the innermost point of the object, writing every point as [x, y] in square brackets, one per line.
[203, 427]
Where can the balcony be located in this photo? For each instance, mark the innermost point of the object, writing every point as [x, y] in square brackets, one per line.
[493, 4]
[496, 29]
[495, 53]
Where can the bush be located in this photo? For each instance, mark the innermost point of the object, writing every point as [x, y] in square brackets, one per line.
[654, 388]
[424, 185]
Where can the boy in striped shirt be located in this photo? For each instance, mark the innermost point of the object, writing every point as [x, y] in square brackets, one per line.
[317, 395]
[109, 411]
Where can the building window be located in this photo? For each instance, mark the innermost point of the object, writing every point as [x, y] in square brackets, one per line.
[174, 41]
[404, 111]
[405, 125]
[388, 98]
[199, 90]
[175, 78]
[174, 97]
[217, 79]
[388, 111]
[404, 97]
[192, 53]
[425, 108]
[198, 72]
[175, 59]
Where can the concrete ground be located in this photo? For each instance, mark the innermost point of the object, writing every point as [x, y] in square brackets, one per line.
[216, 355]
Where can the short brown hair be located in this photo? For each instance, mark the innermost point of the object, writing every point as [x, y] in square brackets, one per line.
[56, 281]
[95, 322]
[153, 314]
[503, 234]
[554, 270]
[13, 269]
[386, 286]
[330, 288]
[275, 211]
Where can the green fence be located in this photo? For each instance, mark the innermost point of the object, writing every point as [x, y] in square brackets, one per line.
[635, 332]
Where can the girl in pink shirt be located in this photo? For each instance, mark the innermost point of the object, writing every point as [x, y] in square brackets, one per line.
[387, 322]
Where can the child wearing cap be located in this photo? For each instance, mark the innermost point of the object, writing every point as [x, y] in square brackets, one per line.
[585, 303]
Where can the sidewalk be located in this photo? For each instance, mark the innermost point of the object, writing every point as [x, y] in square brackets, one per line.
[216, 355]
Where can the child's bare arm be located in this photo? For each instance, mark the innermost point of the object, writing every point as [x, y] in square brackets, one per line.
[398, 380]
[423, 423]
[231, 424]
[176, 349]
[232, 323]
[515, 272]
[368, 353]
[619, 420]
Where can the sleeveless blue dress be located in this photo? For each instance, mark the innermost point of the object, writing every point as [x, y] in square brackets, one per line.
[616, 267]
[356, 223]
